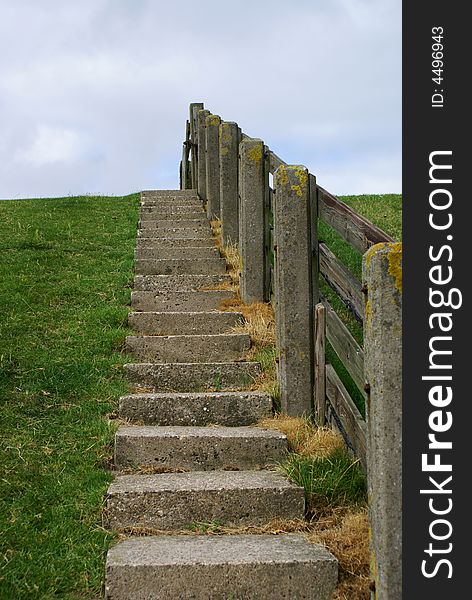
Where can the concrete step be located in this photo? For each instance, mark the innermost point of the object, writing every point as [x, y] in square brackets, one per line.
[180, 301]
[149, 253]
[176, 500]
[201, 224]
[174, 208]
[199, 448]
[170, 243]
[158, 194]
[178, 323]
[195, 223]
[183, 283]
[166, 215]
[173, 195]
[177, 232]
[189, 348]
[212, 408]
[238, 567]
[170, 203]
[165, 203]
[193, 377]
[175, 192]
[180, 266]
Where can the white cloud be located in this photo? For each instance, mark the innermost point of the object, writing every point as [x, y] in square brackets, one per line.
[52, 145]
[104, 86]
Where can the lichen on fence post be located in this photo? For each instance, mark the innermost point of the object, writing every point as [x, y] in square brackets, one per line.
[252, 181]
[212, 132]
[382, 278]
[229, 198]
[293, 289]
[201, 141]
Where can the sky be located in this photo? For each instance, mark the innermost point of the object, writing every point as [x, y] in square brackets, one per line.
[94, 94]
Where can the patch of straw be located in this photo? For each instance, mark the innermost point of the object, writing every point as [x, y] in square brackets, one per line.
[349, 542]
[304, 437]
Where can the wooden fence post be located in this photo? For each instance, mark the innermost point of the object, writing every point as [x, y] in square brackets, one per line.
[194, 108]
[185, 166]
[293, 289]
[320, 365]
[212, 132]
[229, 197]
[201, 141]
[252, 181]
[382, 275]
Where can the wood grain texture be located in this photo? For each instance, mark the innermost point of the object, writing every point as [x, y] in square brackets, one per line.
[345, 346]
[353, 227]
[351, 420]
[342, 281]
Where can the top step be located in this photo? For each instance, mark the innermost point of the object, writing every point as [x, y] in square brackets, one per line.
[177, 196]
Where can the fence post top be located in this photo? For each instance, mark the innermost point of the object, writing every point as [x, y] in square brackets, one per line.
[294, 177]
[250, 140]
[213, 120]
[228, 124]
[385, 255]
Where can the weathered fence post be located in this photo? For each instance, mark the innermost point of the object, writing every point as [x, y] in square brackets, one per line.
[194, 108]
[252, 180]
[185, 166]
[382, 275]
[293, 289]
[201, 140]
[320, 365]
[212, 132]
[229, 197]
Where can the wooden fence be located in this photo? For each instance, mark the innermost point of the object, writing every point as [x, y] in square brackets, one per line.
[276, 227]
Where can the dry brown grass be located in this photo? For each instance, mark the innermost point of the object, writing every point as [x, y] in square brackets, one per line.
[230, 253]
[259, 324]
[349, 542]
[304, 437]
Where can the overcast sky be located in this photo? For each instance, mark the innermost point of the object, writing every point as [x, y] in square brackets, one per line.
[94, 93]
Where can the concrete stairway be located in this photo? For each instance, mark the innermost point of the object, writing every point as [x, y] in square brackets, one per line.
[192, 455]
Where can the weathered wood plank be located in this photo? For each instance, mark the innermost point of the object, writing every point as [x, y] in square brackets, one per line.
[345, 346]
[350, 418]
[342, 281]
[320, 365]
[353, 227]
[315, 263]
[274, 162]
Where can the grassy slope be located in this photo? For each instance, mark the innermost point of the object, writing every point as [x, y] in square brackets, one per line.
[385, 211]
[65, 270]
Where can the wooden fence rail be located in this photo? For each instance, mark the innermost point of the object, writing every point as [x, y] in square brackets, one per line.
[284, 262]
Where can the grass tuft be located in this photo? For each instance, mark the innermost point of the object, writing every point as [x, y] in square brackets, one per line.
[330, 481]
[303, 437]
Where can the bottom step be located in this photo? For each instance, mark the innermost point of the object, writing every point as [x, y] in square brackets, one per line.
[240, 567]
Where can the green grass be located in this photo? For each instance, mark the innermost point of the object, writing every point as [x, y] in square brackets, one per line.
[66, 267]
[330, 482]
[385, 211]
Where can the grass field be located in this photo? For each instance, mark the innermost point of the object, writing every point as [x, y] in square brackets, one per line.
[65, 270]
